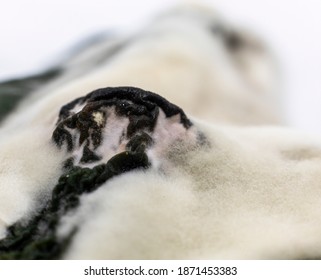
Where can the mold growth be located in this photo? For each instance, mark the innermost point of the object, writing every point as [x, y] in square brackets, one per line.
[15, 90]
[106, 133]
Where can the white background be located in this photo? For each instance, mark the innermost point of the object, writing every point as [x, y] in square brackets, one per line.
[35, 32]
[246, 270]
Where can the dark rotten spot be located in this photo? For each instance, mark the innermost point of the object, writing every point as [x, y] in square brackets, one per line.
[38, 238]
[139, 106]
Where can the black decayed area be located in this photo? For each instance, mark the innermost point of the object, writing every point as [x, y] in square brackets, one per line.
[37, 238]
[116, 95]
[139, 106]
